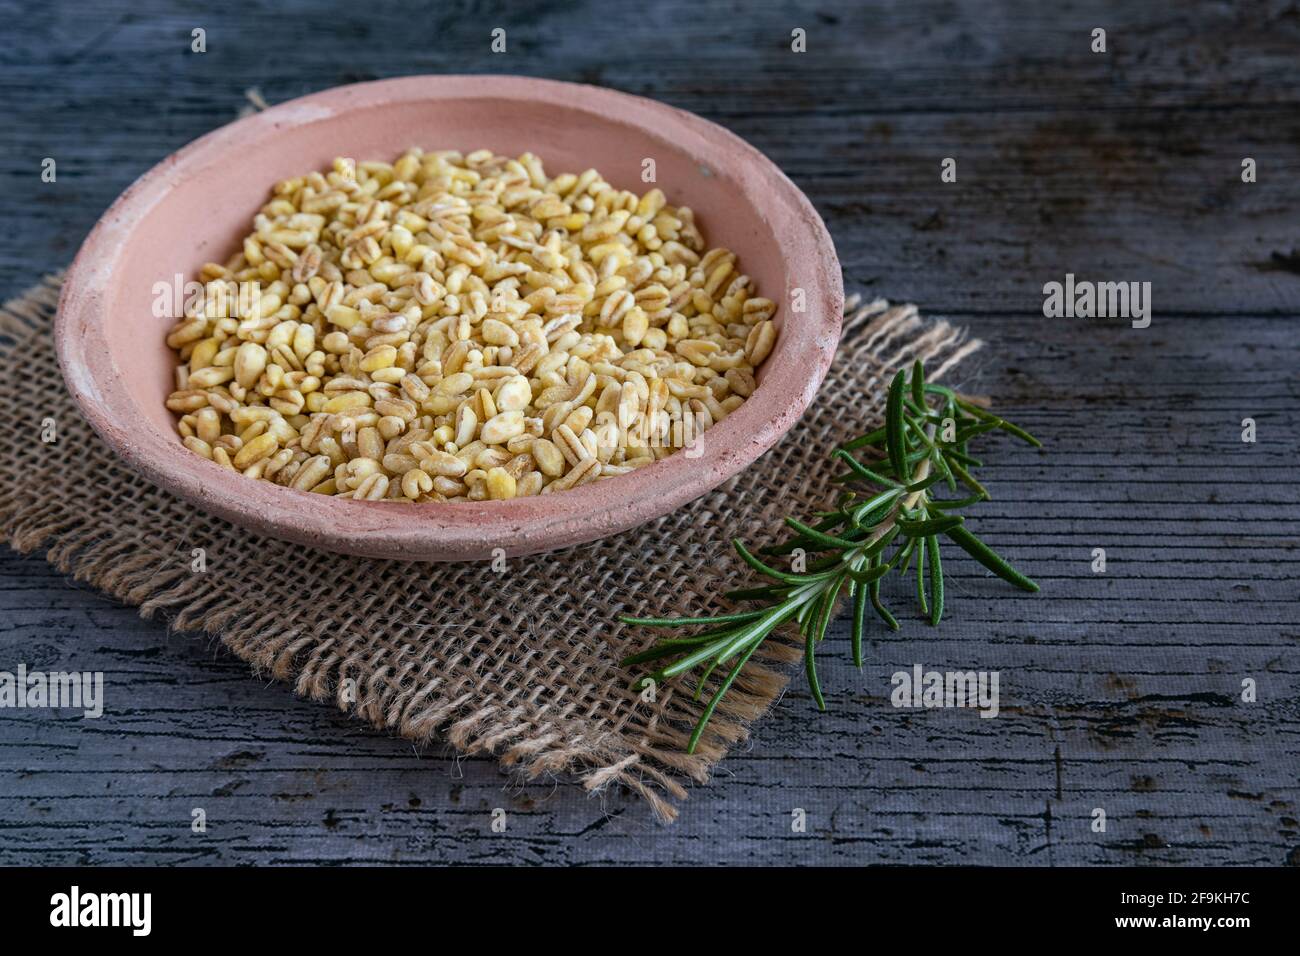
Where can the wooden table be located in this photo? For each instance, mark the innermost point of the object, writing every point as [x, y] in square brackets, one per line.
[1119, 690]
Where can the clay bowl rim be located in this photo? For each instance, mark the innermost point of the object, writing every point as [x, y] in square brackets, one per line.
[463, 531]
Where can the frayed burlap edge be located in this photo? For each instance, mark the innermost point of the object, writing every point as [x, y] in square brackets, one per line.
[604, 734]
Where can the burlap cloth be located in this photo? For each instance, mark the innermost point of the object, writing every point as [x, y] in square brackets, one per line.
[521, 664]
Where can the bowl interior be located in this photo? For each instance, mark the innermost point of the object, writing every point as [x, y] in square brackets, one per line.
[205, 214]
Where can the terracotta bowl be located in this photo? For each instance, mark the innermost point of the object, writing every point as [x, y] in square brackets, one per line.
[197, 204]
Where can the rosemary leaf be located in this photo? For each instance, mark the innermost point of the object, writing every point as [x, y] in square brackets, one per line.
[717, 696]
[936, 581]
[862, 441]
[920, 574]
[918, 384]
[874, 590]
[762, 568]
[859, 615]
[985, 555]
[826, 540]
[862, 472]
[895, 438]
[931, 526]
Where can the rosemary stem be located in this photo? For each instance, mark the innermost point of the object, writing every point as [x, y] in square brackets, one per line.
[879, 506]
[853, 557]
[922, 472]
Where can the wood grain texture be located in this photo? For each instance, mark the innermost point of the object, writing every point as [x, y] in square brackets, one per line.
[1119, 690]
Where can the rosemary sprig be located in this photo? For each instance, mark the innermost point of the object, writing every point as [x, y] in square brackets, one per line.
[887, 501]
